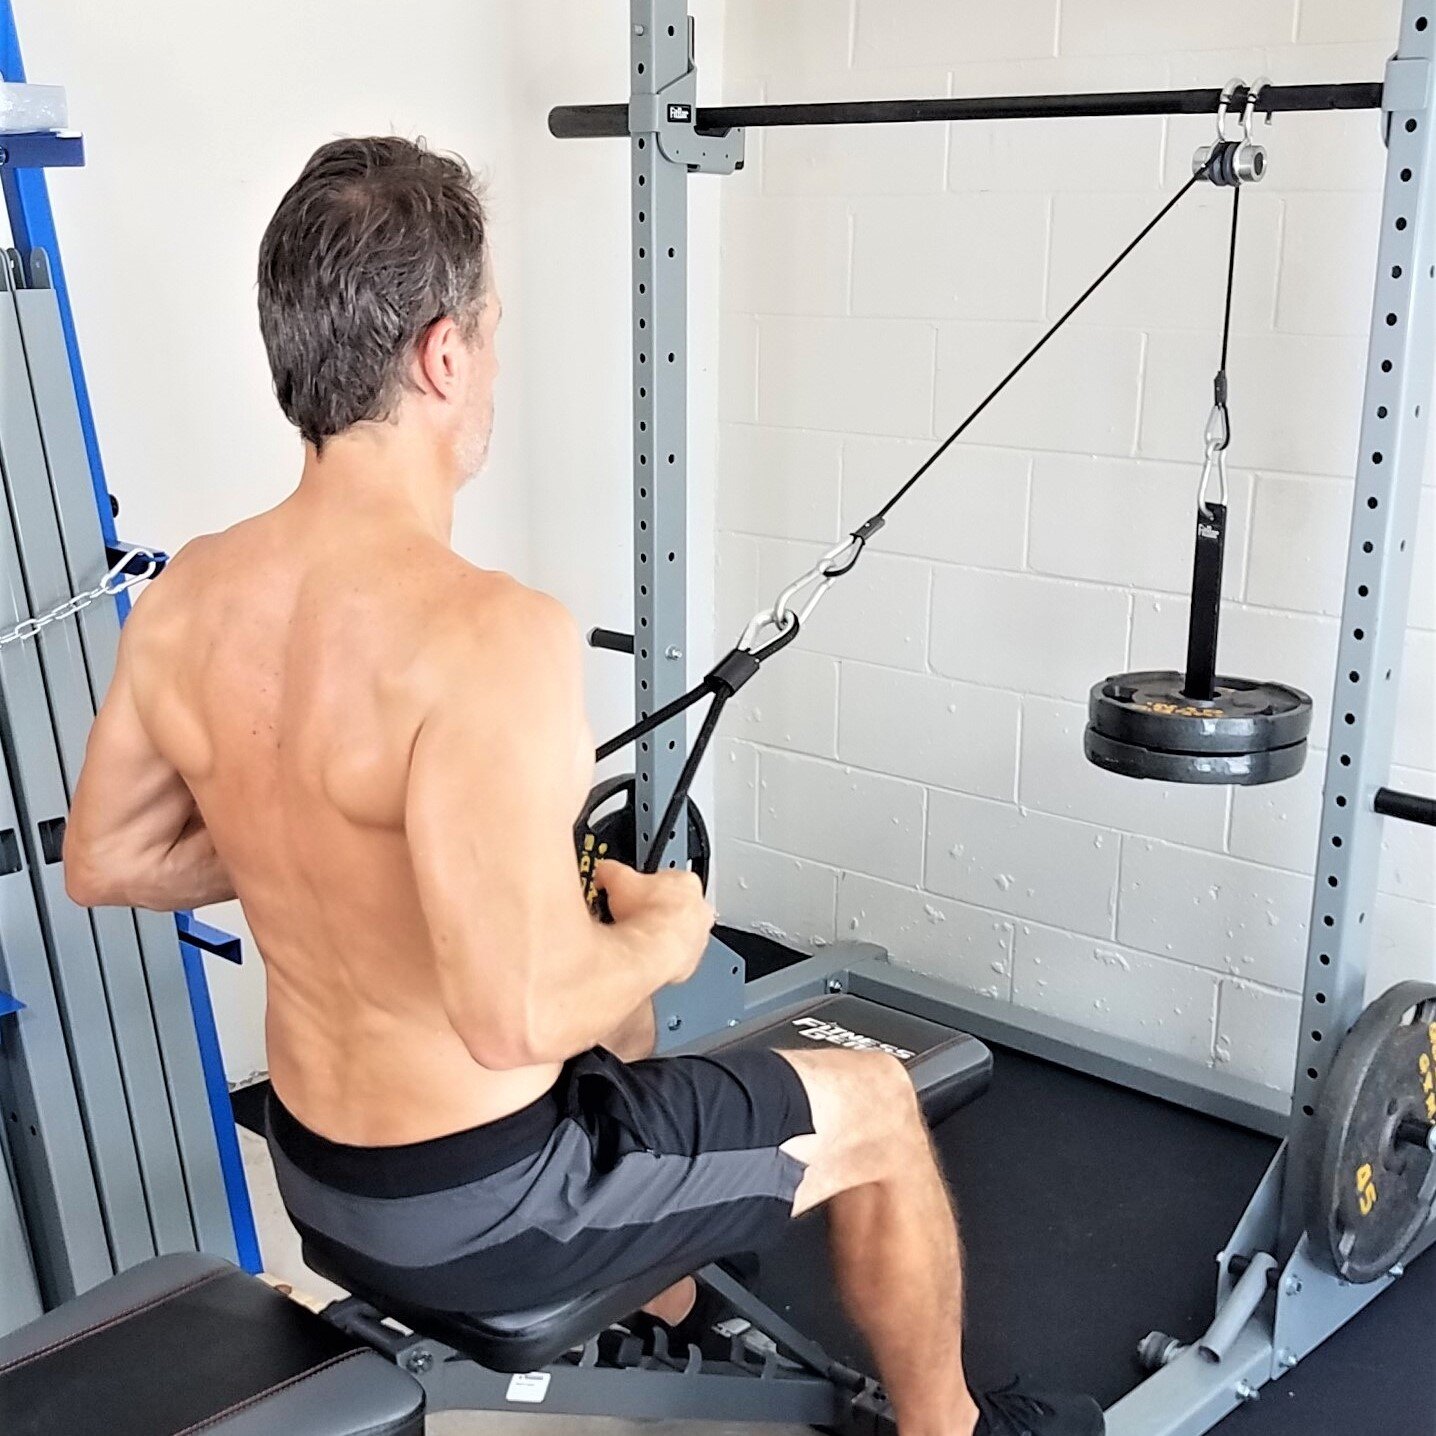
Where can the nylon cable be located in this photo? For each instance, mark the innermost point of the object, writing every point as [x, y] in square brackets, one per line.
[1032, 353]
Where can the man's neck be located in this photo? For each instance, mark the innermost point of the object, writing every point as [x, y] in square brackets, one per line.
[387, 472]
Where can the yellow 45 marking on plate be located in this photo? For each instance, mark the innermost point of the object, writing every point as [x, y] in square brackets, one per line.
[1365, 1188]
[1428, 1075]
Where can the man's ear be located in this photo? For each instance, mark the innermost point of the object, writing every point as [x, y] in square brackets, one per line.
[436, 358]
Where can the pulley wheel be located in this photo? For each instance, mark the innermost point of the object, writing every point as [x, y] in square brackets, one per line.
[1370, 1170]
[608, 828]
[1143, 726]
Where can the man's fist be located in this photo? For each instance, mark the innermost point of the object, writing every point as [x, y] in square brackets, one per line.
[666, 908]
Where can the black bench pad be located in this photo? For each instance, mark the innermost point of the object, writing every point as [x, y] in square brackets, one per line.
[187, 1344]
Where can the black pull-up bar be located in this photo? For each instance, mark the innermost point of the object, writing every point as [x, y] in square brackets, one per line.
[573, 122]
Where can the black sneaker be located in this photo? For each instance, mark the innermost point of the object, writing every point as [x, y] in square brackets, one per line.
[1010, 1411]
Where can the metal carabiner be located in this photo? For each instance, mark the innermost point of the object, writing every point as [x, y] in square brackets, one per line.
[1215, 438]
[836, 562]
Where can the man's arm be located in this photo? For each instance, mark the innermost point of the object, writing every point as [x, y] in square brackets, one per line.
[135, 837]
[527, 974]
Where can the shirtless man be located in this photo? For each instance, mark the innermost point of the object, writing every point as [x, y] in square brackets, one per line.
[380, 749]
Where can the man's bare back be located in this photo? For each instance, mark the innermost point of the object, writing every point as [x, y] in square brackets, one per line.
[372, 731]
[285, 668]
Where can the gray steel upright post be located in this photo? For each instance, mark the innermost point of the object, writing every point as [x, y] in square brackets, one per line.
[659, 55]
[1395, 433]
[665, 147]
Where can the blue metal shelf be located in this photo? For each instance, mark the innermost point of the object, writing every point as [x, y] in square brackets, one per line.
[42, 149]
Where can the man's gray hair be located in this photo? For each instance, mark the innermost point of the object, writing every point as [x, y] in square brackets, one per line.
[374, 242]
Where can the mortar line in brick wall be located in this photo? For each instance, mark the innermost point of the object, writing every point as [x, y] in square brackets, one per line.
[1117, 890]
[1049, 222]
[1273, 471]
[1216, 1024]
[1281, 226]
[1140, 408]
[1026, 806]
[1240, 328]
[1017, 764]
[1047, 577]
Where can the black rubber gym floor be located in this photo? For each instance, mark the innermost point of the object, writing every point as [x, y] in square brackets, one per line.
[1091, 1216]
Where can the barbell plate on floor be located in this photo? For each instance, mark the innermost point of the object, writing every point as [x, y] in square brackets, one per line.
[1369, 1189]
[1143, 725]
[607, 827]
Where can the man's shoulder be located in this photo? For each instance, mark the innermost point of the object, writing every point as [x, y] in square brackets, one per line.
[484, 620]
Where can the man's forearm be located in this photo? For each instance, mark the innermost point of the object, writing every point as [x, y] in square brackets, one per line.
[187, 874]
[606, 998]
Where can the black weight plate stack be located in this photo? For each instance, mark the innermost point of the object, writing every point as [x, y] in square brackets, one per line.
[1143, 726]
[1368, 1175]
[608, 828]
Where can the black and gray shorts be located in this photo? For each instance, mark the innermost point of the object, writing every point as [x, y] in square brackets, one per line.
[621, 1169]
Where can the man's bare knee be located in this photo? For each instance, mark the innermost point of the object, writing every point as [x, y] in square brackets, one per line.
[867, 1124]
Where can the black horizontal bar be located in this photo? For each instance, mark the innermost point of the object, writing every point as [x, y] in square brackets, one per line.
[1409, 807]
[610, 639]
[569, 122]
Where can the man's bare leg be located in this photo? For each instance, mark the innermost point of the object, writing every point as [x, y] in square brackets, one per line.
[893, 1232]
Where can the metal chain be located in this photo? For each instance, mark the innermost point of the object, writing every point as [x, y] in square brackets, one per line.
[115, 582]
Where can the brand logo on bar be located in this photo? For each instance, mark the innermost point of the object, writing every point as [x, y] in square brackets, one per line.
[680, 114]
[816, 1030]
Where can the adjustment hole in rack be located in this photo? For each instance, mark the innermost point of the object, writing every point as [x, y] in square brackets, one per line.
[1378, 457]
[1401, 221]
[1421, 22]
[1354, 676]
[1315, 1035]
[1386, 366]
[1351, 718]
[1321, 998]
[1411, 127]
[1312, 1073]
[1308, 1110]
[1335, 842]
[1396, 271]
[1346, 760]
[1358, 634]
[642, 143]
[1367, 546]
[1405, 176]
[1382, 411]
[1341, 800]
[1333, 881]
[1373, 502]
[1391, 318]
[1328, 921]
[640, 67]
[642, 180]
[1325, 959]
[1362, 590]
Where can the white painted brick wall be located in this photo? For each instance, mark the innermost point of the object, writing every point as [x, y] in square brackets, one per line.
[912, 773]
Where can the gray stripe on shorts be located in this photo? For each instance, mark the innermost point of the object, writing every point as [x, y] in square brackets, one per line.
[556, 1192]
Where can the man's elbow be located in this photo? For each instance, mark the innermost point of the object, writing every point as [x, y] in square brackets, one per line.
[505, 1039]
[86, 882]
